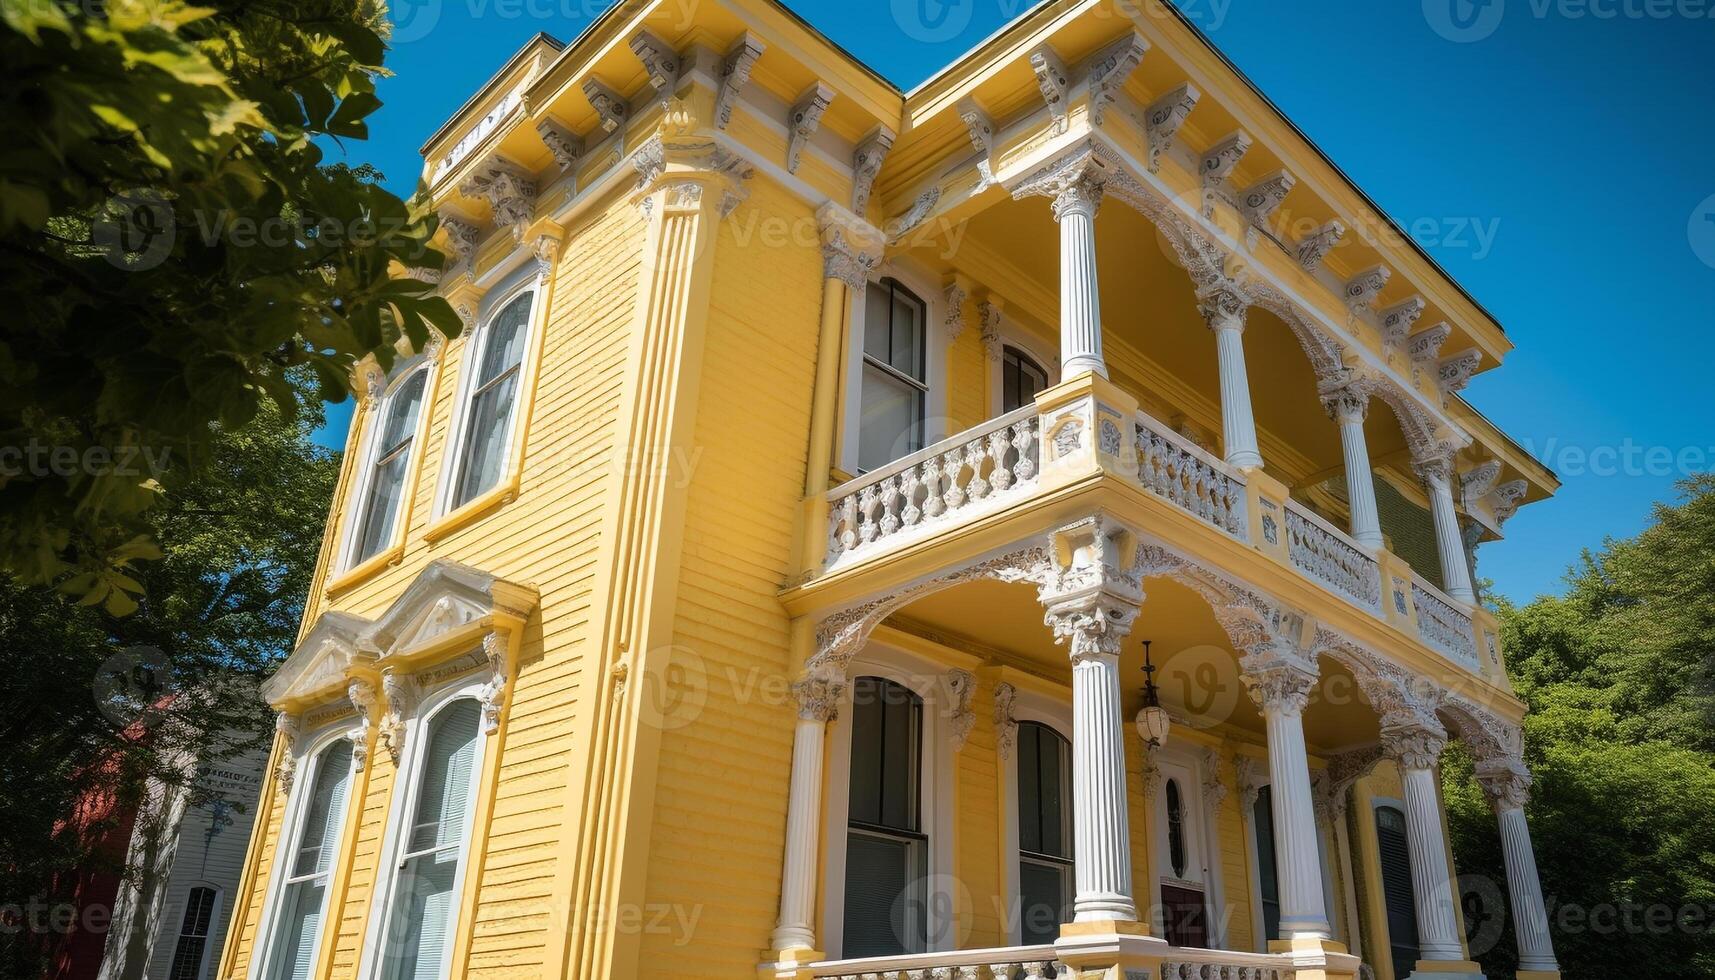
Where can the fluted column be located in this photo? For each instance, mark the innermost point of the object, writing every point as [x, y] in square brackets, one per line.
[1223, 308]
[1281, 689]
[1417, 752]
[1075, 206]
[1437, 474]
[1092, 600]
[818, 702]
[1348, 407]
[1507, 786]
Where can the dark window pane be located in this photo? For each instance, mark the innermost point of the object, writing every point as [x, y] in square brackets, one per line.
[865, 803]
[1029, 790]
[1044, 896]
[887, 743]
[1021, 379]
[885, 914]
[1175, 829]
[1263, 814]
[1395, 853]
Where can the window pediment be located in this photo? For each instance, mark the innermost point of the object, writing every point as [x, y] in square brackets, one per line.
[443, 598]
[318, 666]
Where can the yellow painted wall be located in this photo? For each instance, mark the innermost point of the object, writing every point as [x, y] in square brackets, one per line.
[983, 920]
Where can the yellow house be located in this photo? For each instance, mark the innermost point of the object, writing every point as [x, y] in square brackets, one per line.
[1019, 527]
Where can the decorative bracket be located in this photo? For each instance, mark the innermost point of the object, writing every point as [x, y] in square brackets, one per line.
[565, 145]
[1315, 246]
[1361, 290]
[1110, 69]
[660, 61]
[1397, 321]
[1051, 79]
[958, 290]
[735, 75]
[1424, 347]
[866, 164]
[608, 104]
[1454, 372]
[1218, 163]
[989, 313]
[981, 128]
[1164, 117]
[509, 190]
[1005, 724]
[1259, 201]
[804, 120]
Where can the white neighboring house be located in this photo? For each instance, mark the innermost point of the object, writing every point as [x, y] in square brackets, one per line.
[170, 919]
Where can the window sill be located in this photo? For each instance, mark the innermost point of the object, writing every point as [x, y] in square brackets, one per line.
[502, 494]
[365, 570]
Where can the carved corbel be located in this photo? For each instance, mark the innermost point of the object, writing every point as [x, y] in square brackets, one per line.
[361, 693]
[608, 104]
[1476, 482]
[1424, 347]
[1214, 790]
[497, 652]
[980, 126]
[1454, 372]
[1397, 321]
[803, 121]
[866, 164]
[1259, 201]
[851, 249]
[961, 686]
[1362, 289]
[566, 146]
[462, 237]
[286, 726]
[989, 312]
[1051, 79]
[735, 75]
[1250, 776]
[400, 695]
[1218, 163]
[1110, 69]
[660, 62]
[1507, 498]
[1315, 246]
[546, 247]
[1164, 117]
[1005, 724]
[509, 190]
[957, 291]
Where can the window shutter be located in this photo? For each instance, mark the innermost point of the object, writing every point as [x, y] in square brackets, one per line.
[1395, 854]
[879, 871]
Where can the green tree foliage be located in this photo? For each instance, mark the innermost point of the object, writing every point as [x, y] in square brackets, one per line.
[221, 604]
[172, 243]
[1621, 739]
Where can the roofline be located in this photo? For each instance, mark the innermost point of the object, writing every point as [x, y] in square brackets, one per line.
[482, 90]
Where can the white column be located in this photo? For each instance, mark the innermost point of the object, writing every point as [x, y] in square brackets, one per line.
[1092, 598]
[1507, 789]
[1281, 688]
[1437, 474]
[818, 699]
[1348, 407]
[1417, 751]
[1223, 310]
[1079, 196]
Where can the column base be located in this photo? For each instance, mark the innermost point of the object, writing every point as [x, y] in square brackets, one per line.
[789, 964]
[1446, 970]
[1315, 958]
[1103, 945]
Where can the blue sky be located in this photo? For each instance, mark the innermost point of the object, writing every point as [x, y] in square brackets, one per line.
[1553, 155]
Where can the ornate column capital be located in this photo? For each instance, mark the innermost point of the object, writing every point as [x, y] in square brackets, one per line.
[851, 249]
[1280, 686]
[1434, 468]
[1348, 402]
[1414, 746]
[1506, 783]
[1074, 181]
[1223, 305]
[1094, 587]
[686, 164]
[818, 697]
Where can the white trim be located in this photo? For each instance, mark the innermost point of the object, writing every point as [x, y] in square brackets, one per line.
[1057, 715]
[936, 425]
[524, 280]
[936, 794]
[286, 847]
[404, 802]
[373, 422]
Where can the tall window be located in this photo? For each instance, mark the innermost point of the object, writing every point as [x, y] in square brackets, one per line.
[417, 940]
[1396, 888]
[1044, 832]
[895, 385]
[1020, 379]
[886, 909]
[390, 458]
[498, 362]
[1262, 818]
[303, 899]
[1183, 912]
[190, 954]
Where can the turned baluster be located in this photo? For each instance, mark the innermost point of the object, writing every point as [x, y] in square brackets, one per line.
[1023, 435]
[1000, 476]
[975, 453]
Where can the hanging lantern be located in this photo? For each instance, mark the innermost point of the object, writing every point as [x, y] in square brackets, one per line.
[1152, 722]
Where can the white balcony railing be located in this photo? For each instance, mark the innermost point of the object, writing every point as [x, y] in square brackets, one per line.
[1323, 552]
[1442, 625]
[1176, 469]
[973, 473]
[1037, 963]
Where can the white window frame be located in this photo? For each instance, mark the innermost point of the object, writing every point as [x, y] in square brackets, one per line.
[213, 926]
[400, 811]
[1055, 714]
[523, 281]
[1014, 334]
[367, 452]
[286, 847]
[923, 677]
[1259, 922]
[936, 423]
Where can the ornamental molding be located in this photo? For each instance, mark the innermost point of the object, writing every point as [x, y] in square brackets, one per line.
[1109, 70]
[660, 62]
[902, 225]
[1259, 201]
[318, 665]
[360, 691]
[866, 164]
[1506, 498]
[1315, 245]
[953, 311]
[509, 189]
[1349, 402]
[1150, 767]
[1455, 371]
[498, 662]
[1400, 698]
[444, 597]
[989, 313]
[1330, 785]
[1361, 290]
[401, 694]
[818, 697]
[1416, 747]
[1052, 81]
[1424, 348]
[610, 107]
[1506, 783]
[1214, 790]
[287, 729]
[803, 121]
[1476, 482]
[735, 75]
[1164, 117]
[462, 237]
[961, 686]
[1397, 321]
[851, 248]
[979, 125]
[689, 160]
[1250, 776]
[1219, 160]
[566, 146]
[1005, 722]
[1223, 304]
[1093, 589]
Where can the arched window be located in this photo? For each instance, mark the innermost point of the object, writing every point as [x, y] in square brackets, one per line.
[886, 848]
[895, 375]
[422, 906]
[190, 953]
[491, 400]
[1262, 818]
[309, 864]
[1392, 842]
[1020, 379]
[1044, 832]
[388, 465]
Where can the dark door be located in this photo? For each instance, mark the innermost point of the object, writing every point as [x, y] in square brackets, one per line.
[1185, 918]
[1396, 889]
